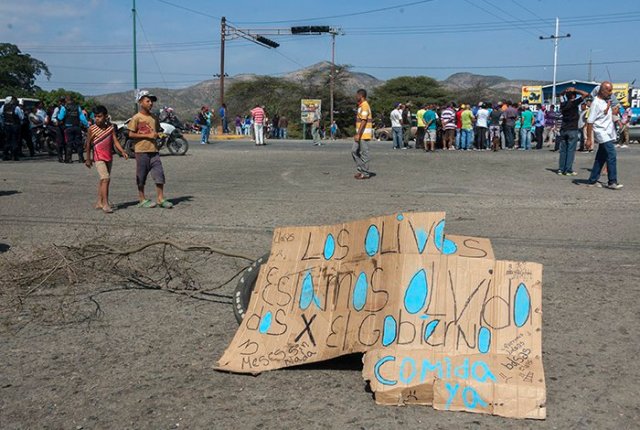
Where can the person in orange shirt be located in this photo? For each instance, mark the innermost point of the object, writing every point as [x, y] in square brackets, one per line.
[364, 132]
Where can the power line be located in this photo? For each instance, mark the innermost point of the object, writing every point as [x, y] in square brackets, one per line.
[344, 15]
[155, 60]
[472, 28]
[530, 11]
[197, 12]
[499, 17]
[519, 66]
[507, 13]
[96, 69]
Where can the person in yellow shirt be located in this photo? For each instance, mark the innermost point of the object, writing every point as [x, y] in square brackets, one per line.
[364, 132]
[420, 130]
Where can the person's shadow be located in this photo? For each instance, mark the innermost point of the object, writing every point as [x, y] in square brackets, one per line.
[9, 192]
[4, 247]
[176, 201]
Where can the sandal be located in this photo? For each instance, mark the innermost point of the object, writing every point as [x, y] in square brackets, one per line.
[146, 204]
[165, 204]
[107, 209]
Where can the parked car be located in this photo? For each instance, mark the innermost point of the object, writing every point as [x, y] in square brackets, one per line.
[385, 133]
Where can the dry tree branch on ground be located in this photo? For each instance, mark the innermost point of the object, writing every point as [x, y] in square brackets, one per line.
[59, 284]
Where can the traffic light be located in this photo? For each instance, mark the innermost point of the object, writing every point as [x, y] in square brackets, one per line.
[267, 42]
[311, 29]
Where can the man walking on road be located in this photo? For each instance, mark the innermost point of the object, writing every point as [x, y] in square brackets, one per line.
[257, 113]
[569, 131]
[364, 131]
[600, 122]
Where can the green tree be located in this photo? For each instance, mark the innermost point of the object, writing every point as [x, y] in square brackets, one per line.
[277, 95]
[416, 90]
[50, 98]
[18, 71]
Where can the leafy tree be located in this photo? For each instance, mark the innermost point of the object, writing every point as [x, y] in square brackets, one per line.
[277, 95]
[416, 90]
[50, 98]
[18, 71]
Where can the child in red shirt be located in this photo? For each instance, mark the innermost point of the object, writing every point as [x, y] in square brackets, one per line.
[101, 138]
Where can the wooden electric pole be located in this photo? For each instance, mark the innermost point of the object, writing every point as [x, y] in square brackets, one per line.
[223, 32]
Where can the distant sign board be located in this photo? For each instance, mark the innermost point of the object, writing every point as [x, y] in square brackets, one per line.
[532, 94]
[621, 91]
[309, 108]
[635, 98]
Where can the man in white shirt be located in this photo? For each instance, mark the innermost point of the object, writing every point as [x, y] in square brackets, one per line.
[600, 122]
[396, 125]
[482, 126]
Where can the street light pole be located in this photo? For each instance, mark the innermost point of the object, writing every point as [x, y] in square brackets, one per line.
[555, 37]
[135, 58]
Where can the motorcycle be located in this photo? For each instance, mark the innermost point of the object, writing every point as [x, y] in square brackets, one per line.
[45, 140]
[171, 137]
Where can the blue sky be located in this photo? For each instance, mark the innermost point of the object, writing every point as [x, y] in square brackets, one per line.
[88, 44]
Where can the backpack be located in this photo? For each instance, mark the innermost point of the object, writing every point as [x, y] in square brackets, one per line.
[202, 119]
[72, 115]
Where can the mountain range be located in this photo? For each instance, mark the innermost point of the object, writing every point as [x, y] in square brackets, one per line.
[189, 99]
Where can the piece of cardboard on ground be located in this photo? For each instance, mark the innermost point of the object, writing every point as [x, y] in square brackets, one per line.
[484, 355]
[379, 285]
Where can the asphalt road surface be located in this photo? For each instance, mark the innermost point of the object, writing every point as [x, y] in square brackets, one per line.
[147, 361]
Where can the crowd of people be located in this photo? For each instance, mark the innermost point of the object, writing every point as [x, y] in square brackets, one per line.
[578, 122]
[502, 125]
[63, 122]
[256, 124]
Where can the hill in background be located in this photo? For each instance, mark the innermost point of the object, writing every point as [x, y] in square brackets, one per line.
[187, 101]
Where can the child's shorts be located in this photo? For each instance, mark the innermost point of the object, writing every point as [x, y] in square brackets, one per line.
[149, 162]
[104, 169]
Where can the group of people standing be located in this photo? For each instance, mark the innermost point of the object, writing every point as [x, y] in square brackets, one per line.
[255, 124]
[582, 117]
[65, 122]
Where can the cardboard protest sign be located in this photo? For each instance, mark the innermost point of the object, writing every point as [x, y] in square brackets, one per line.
[440, 321]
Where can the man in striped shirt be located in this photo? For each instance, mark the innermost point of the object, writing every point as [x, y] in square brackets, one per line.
[448, 118]
[258, 123]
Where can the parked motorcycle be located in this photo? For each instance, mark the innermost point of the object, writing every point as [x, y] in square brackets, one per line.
[45, 140]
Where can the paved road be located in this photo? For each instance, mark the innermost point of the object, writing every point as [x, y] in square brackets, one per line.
[148, 363]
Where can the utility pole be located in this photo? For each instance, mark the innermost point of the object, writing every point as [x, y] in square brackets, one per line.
[333, 72]
[223, 33]
[555, 37]
[590, 64]
[135, 59]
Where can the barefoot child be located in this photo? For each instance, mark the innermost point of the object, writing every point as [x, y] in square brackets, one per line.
[101, 138]
[144, 129]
